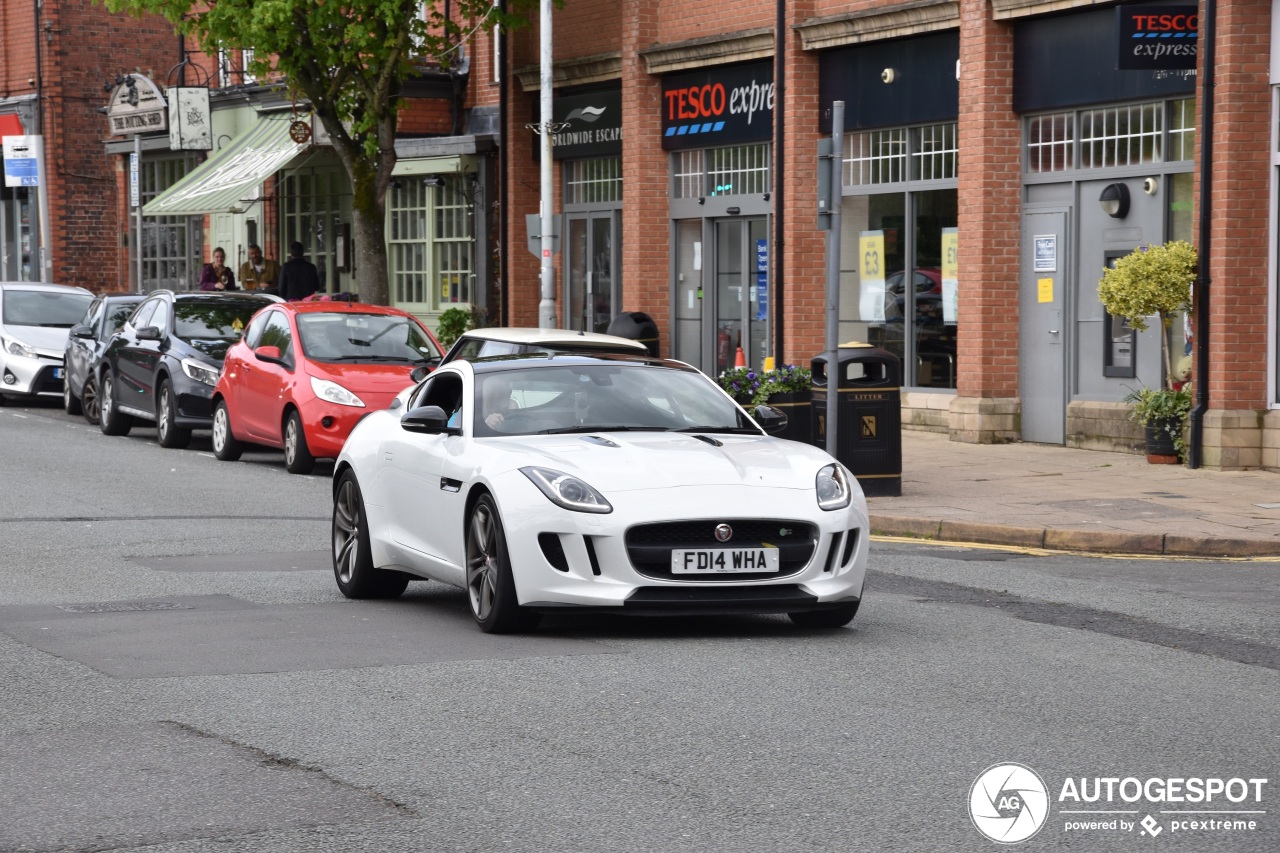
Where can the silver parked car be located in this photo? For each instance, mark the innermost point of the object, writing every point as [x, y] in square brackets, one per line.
[35, 319]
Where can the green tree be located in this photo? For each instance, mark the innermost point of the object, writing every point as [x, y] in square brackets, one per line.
[348, 60]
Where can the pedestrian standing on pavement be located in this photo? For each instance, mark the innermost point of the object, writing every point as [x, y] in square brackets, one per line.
[258, 272]
[216, 275]
[298, 277]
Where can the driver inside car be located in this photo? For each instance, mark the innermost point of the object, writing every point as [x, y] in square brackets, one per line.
[496, 400]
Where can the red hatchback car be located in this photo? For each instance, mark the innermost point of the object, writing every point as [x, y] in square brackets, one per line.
[305, 372]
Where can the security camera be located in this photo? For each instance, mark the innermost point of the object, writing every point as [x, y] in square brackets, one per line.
[1150, 185]
[887, 75]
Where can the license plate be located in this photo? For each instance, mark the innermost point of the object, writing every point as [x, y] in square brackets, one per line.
[58, 373]
[711, 561]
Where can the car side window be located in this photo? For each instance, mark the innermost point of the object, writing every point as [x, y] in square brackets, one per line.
[492, 348]
[142, 317]
[276, 333]
[254, 333]
[116, 317]
[93, 315]
[160, 319]
[443, 390]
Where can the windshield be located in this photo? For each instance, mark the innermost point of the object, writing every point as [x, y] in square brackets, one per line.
[602, 398]
[213, 319]
[364, 337]
[44, 308]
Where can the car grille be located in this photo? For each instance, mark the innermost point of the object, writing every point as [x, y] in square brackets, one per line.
[650, 545]
[46, 383]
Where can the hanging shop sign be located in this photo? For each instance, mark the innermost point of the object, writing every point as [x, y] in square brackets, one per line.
[190, 122]
[136, 105]
[722, 105]
[589, 124]
[1157, 38]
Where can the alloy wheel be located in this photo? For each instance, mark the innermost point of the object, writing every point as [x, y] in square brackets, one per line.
[220, 428]
[163, 426]
[290, 442]
[89, 400]
[482, 562]
[346, 531]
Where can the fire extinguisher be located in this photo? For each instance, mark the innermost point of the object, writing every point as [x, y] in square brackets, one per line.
[722, 348]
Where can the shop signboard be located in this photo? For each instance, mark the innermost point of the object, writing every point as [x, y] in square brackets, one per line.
[1157, 38]
[589, 125]
[721, 105]
[136, 106]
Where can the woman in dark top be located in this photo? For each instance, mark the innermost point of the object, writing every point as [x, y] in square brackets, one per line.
[217, 275]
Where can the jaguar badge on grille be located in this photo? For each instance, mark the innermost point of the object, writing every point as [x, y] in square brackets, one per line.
[723, 533]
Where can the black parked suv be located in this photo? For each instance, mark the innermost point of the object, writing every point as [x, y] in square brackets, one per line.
[85, 346]
[163, 363]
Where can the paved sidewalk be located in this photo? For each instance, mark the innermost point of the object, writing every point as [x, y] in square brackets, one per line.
[1045, 496]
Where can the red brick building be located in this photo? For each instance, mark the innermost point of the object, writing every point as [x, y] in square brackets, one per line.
[979, 136]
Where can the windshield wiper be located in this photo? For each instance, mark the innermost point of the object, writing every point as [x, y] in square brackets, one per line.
[363, 357]
[600, 428]
[728, 429]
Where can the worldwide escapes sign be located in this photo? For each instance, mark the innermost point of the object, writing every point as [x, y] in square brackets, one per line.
[590, 125]
[1157, 38]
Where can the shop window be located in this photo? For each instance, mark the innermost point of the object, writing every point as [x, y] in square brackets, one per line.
[310, 214]
[430, 243]
[1121, 136]
[1182, 129]
[1050, 141]
[170, 245]
[593, 181]
[689, 174]
[875, 157]
[738, 169]
[934, 152]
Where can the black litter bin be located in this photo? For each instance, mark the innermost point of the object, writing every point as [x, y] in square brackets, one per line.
[869, 417]
[638, 326]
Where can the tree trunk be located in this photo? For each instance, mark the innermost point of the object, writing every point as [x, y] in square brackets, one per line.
[369, 181]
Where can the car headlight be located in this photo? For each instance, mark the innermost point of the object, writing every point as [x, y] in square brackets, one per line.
[200, 372]
[832, 485]
[332, 392]
[566, 491]
[16, 347]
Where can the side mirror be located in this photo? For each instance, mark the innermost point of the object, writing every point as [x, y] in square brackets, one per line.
[150, 333]
[427, 419]
[771, 420]
[422, 371]
[82, 331]
[271, 354]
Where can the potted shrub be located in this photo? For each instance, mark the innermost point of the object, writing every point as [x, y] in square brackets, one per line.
[1155, 280]
[787, 387]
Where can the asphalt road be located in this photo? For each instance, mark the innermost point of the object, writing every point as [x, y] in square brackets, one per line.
[179, 673]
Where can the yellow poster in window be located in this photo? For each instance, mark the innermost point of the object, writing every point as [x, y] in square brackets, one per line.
[1044, 289]
[950, 274]
[871, 261]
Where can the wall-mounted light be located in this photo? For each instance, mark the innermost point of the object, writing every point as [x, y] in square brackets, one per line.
[702, 199]
[1151, 186]
[1114, 201]
[887, 76]
[433, 181]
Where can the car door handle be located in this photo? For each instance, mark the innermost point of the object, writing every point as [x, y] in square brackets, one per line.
[448, 485]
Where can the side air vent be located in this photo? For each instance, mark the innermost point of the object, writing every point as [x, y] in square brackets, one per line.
[591, 555]
[850, 540]
[832, 552]
[553, 551]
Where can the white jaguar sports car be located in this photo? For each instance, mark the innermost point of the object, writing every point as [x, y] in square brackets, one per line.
[610, 483]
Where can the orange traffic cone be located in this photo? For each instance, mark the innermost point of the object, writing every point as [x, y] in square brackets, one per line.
[740, 360]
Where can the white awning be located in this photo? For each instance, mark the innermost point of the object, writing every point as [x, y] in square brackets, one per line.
[234, 173]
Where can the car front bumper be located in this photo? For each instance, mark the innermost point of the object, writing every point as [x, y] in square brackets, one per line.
[31, 377]
[598, 571]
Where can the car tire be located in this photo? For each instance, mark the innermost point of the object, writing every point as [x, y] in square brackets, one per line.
[297, 456]
[70, 402]
[168, 433]
[352, 556]
[225, 445]
[491, 590]
[110, 420]
[89, 400]
[834, 617]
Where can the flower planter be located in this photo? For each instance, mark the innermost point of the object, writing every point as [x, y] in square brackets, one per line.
[798, 406]
[1160, 447]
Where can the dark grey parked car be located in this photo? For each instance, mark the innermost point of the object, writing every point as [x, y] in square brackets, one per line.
[85, 346]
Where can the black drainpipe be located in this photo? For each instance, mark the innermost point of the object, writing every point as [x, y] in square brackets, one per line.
[503, 141]
[779, 155]
[1203, 281]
